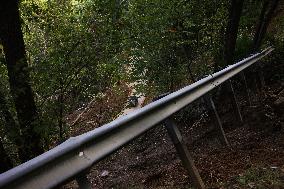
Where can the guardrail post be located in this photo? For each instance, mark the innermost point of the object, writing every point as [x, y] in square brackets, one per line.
[183, 153]
[246, 87]
[256, 85]
[235, 104]
[214, 116]
[181, 149]
[260, 76]
[83, 182]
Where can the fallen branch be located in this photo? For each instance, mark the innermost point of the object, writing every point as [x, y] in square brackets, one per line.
[80, 115]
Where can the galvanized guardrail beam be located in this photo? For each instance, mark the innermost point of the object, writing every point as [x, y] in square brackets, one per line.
[76, 155]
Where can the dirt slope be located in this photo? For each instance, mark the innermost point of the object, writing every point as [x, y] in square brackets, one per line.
[257, 146]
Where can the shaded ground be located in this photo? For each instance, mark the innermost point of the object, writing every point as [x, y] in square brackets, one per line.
[149, 163]
[255, 160]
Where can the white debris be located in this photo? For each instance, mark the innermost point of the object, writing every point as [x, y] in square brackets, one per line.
[104, 173]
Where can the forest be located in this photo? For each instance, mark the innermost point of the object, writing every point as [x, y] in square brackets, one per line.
[66, 65]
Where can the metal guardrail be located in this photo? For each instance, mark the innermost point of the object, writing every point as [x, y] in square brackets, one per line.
[73, 158]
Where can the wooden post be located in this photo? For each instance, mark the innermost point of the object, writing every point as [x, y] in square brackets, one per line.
[83, 182]
[214, 116]
[183, 153]
[234, 102]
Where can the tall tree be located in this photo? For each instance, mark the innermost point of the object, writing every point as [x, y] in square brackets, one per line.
[10, 128]
[5, 162]
[19, 80]
[232, 30]
[265, 17]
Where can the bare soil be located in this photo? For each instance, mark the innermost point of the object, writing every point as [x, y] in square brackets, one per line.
[101, 111]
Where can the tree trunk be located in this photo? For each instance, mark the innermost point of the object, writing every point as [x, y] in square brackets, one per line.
[232, 30]
[11, 128]
[5, 162]
[264, 21]
[259, 24]
[14, 50]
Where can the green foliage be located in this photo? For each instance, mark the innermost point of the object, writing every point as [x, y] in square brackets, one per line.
[243, 46]
[164, 38]
[72, 49]
[249, 18]
[260, 178]
[247, 28]
[76, 49]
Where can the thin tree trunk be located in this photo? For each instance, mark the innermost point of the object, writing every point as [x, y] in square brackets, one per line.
[259, 24]
[5, 161]
[60, 112]
[264, 22]
[232, 30]
[14, 50]
[220, 50]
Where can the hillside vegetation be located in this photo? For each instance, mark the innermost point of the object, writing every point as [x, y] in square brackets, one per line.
[66, 67]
